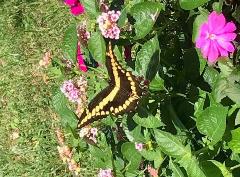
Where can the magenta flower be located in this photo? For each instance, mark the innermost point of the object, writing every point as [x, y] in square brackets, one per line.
[215, 37]
[75, 6]
[80, 59]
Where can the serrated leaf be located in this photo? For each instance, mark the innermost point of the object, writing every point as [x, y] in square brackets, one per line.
[149, 122]
[233, 92]
[177, 172]
[173, 147]
[212, 122]
[170, 144]
[191, 4]
[97, 47]
[130, 153]
[91, 7]
[223, 168]
[226, 67]
[69, 46]
[147, 59]
[67, 116]
[234, 144]
[210, 75]
[145, 14]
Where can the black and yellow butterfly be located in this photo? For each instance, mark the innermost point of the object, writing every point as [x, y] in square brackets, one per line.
[119, 97]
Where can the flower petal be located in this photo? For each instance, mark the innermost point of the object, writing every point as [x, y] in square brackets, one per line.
[226, 37]
[216, 22]
[229, 27]
[77, 10]
[205, 48]
[223, 52]
[226, 45]
[213, 52]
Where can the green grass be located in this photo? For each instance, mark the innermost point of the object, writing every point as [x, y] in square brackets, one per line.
[29, 28]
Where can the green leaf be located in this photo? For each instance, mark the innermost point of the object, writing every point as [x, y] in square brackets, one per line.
[210, 75]
[191, 4]
[69, 45]
[223, 168]
[148, 122]
[102, 156]
[147, 59]
[156, 84]
[234, 144]
[151, 155]
[91, 7]
[123, 17]
[135, 135]
[67, 116]
[212, 122]
[177, 172]
[233, 92]
[145, 14]
[226, 67]
[172, 146]
[199, 20]
[217, 6]
[97, 47]
[130, 153]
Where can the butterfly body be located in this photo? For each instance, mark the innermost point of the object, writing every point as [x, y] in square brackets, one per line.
[120, 96]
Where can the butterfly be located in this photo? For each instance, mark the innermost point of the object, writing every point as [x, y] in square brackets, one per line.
[120, 96]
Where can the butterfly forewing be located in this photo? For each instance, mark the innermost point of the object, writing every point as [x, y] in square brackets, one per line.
[119, 97]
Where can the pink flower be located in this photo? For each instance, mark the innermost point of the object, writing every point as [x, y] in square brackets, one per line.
[70, 91]
[215, 37]
[80, 59]
[75, 6]
[105, 173]
[108, 24]
[153, 172]
[77, 9]
[139, 146]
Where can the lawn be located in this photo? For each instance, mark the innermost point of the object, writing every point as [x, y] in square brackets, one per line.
[28, 29]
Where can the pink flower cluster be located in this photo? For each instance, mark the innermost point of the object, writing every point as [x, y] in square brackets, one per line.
[90, 133]
[215, 37]
[105, 173]
[139, 146]
[108, 24]
[75, 6]
[70, 91]
[152, 171]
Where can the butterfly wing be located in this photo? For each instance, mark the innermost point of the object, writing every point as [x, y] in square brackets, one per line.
[119, 97]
